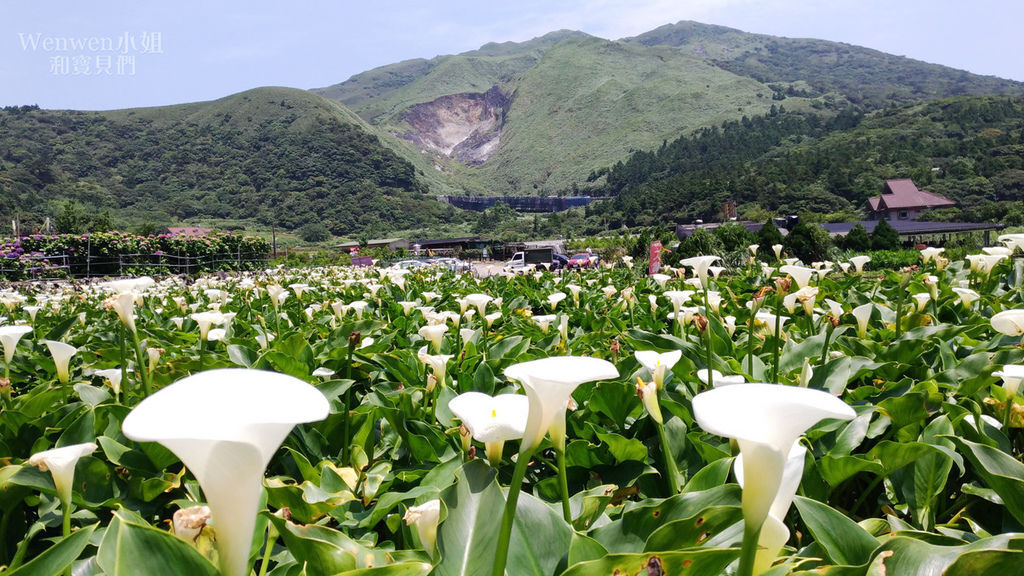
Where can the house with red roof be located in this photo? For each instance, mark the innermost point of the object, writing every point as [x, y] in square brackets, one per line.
[903, 200]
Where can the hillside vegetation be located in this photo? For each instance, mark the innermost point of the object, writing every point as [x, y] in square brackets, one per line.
[969, 149]
[273, 155]
[579, 103]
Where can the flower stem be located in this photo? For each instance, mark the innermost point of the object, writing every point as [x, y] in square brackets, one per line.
[1007, 413]
[505, 534]
[778, 338]
[749, 550]
[828, 336]
[140, 360]
[563, 484]
[269, 549]
[707, 339]
[672, 470]
[750, 343]
[65, 527]
[346, 429]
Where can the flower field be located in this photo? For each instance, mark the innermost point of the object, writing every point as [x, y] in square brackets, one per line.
[334, 421]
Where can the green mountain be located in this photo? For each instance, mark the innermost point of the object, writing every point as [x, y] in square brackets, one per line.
[276, 155]
[672, 122]
[969, 149]
[538, 117]
[818, 68]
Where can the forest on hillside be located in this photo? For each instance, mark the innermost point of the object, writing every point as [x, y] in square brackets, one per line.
[969, 149]
[281, 169]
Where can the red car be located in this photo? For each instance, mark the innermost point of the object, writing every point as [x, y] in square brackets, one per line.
[583, 260]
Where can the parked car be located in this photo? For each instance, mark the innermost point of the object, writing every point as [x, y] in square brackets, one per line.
[453, 264]
[584, 260]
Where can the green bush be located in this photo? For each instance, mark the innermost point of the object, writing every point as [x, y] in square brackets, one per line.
[314, 232]
[766, 237]
[885, 237]
[857, 240]
[808, 242]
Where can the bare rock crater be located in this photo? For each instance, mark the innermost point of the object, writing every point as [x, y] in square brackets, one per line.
[465, 127]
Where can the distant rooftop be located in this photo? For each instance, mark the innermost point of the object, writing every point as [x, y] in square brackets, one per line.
[904, 194]
[911, 227]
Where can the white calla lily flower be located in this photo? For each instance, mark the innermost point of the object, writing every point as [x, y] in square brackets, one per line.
[766, 420]
[800, 274]
[492, 420]
[549, 383]
[60, 463]
[62, 353]
[225, 425]
[720, 379]
[862, 314]
[859, 262]
[1009, 322]
[1012, 375]
[658, 363]
[774, 533]
[700, 265]
[434, 333]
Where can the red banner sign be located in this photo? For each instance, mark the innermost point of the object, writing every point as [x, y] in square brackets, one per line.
[655, 266]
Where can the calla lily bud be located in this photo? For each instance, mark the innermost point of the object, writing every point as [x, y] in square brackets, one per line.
[648, 393]
[188, 523]
[425, 517]
[431, 383]
[782, 284]
[701, 322]
[466, 436]
[353, 340]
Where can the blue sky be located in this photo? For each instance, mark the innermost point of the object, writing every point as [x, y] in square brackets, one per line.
[119, 54]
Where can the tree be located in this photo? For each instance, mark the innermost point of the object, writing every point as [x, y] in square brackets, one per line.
[885, 237]
[857, 239]
[70, 219]
[766, 237]
[808, 242]
[701, 243]
[314, 232]
[734, 237]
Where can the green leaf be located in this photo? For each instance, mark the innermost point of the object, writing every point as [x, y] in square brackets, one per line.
[843, 541]
[907, 556]
[242, 355]
[985, 562]
[623, 449]
[710, 476]
[640, 520]
[584, 548]
[689, 563]
[324, 552]
[467, 538]
[1000, 471]
[540, 537]
[56, 558]
[695, 530]
[401, 569]
[591, 505]
[129, 548]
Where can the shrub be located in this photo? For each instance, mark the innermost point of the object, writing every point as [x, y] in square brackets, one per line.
[314, 232]
[808, 242]
[885, 237]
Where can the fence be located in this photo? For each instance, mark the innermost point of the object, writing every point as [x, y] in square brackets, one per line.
[63, 266]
